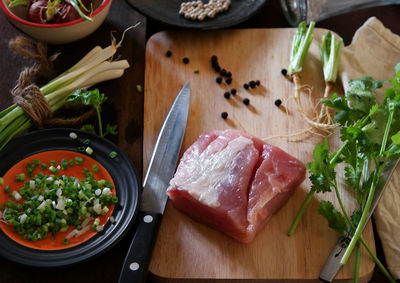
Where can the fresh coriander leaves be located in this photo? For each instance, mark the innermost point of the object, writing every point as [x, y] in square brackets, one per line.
[322, 172]
[335, 220]
[96, 99]
[360, 93]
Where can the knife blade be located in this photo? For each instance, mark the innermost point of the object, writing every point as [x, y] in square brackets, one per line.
[332, 264]
[154, 198]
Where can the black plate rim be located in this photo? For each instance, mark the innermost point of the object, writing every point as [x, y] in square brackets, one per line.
[208, 24]
[125, 211]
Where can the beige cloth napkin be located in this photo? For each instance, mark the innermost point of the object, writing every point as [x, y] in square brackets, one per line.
[374, 51]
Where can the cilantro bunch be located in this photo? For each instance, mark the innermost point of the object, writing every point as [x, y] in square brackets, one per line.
[370, 132]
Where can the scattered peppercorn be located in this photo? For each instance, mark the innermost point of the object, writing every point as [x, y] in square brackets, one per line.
[217, 68]
[228, 81]
[223, 72]
[214, 58]
[224, 115]
[284, 72]
[185, 60]
[218, 80]
[278, 102]
[233, 91]
[252, 84]
[246, 86]
[227, 94]
[228, 74]
[168, 53]
[257, 82]
[246, 101]
[196, 71]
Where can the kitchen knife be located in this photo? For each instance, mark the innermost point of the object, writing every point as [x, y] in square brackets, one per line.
[154, 198]
[332, 264]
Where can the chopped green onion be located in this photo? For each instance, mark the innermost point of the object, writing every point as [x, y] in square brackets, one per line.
[78, 160]
[36, 210]
[7, 189]
[139, 88]
[89, 150]
[20, 177]
[95, 168]
[1, 181]
[113, 154]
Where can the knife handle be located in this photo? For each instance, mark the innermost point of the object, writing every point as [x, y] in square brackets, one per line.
[136, 263]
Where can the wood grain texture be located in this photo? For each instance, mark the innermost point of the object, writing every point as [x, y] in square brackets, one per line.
[187, 250]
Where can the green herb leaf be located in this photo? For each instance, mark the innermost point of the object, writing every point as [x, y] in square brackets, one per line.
[88, 97]
[322, 172]
[111, 129]
[88, 128]
[360, 93]
[335, 219]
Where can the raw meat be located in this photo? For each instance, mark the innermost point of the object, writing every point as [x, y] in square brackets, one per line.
[234, 182]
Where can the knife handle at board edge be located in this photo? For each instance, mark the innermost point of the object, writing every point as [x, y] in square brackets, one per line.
[137, 260]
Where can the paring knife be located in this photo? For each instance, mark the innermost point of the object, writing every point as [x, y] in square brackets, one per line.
[332, 264]
[154, 198]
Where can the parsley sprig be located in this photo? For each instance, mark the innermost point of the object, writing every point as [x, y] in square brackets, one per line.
[370, 132]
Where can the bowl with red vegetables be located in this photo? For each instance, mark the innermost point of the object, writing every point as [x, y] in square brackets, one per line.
[56, 21]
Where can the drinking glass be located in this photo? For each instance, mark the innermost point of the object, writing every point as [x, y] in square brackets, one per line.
[296, 11]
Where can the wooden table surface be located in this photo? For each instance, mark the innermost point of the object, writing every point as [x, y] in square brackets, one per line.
[125, 107]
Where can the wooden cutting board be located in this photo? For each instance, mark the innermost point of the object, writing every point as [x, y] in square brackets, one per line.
[186, 250]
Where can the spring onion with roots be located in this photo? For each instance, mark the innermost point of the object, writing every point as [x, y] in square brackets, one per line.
[330, 50]
[96, 66]
[370, 132]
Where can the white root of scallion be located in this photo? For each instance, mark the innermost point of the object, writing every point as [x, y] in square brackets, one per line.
[105, 54]
[315, 122]
[106, 75]
[117, 69]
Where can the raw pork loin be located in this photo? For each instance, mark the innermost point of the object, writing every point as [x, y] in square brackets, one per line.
[234, 182]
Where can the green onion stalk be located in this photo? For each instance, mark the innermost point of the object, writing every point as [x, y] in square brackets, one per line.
[96, 66]
[330, 50]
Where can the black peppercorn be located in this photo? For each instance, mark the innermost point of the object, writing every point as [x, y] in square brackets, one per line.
[217, 68]
[284, 72]
[246, 101]
[227, 94]
[228, 81]
[278, 102]
[214, 58]
[257, 82]
[252, 84]
[246, 86]
[233, 91]
[228, 74]
[224, 115]
[168, 53]
[218, 80]
[223, 72]
[185, 60]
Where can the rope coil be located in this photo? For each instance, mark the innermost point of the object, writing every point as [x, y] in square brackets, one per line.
[27, 94]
